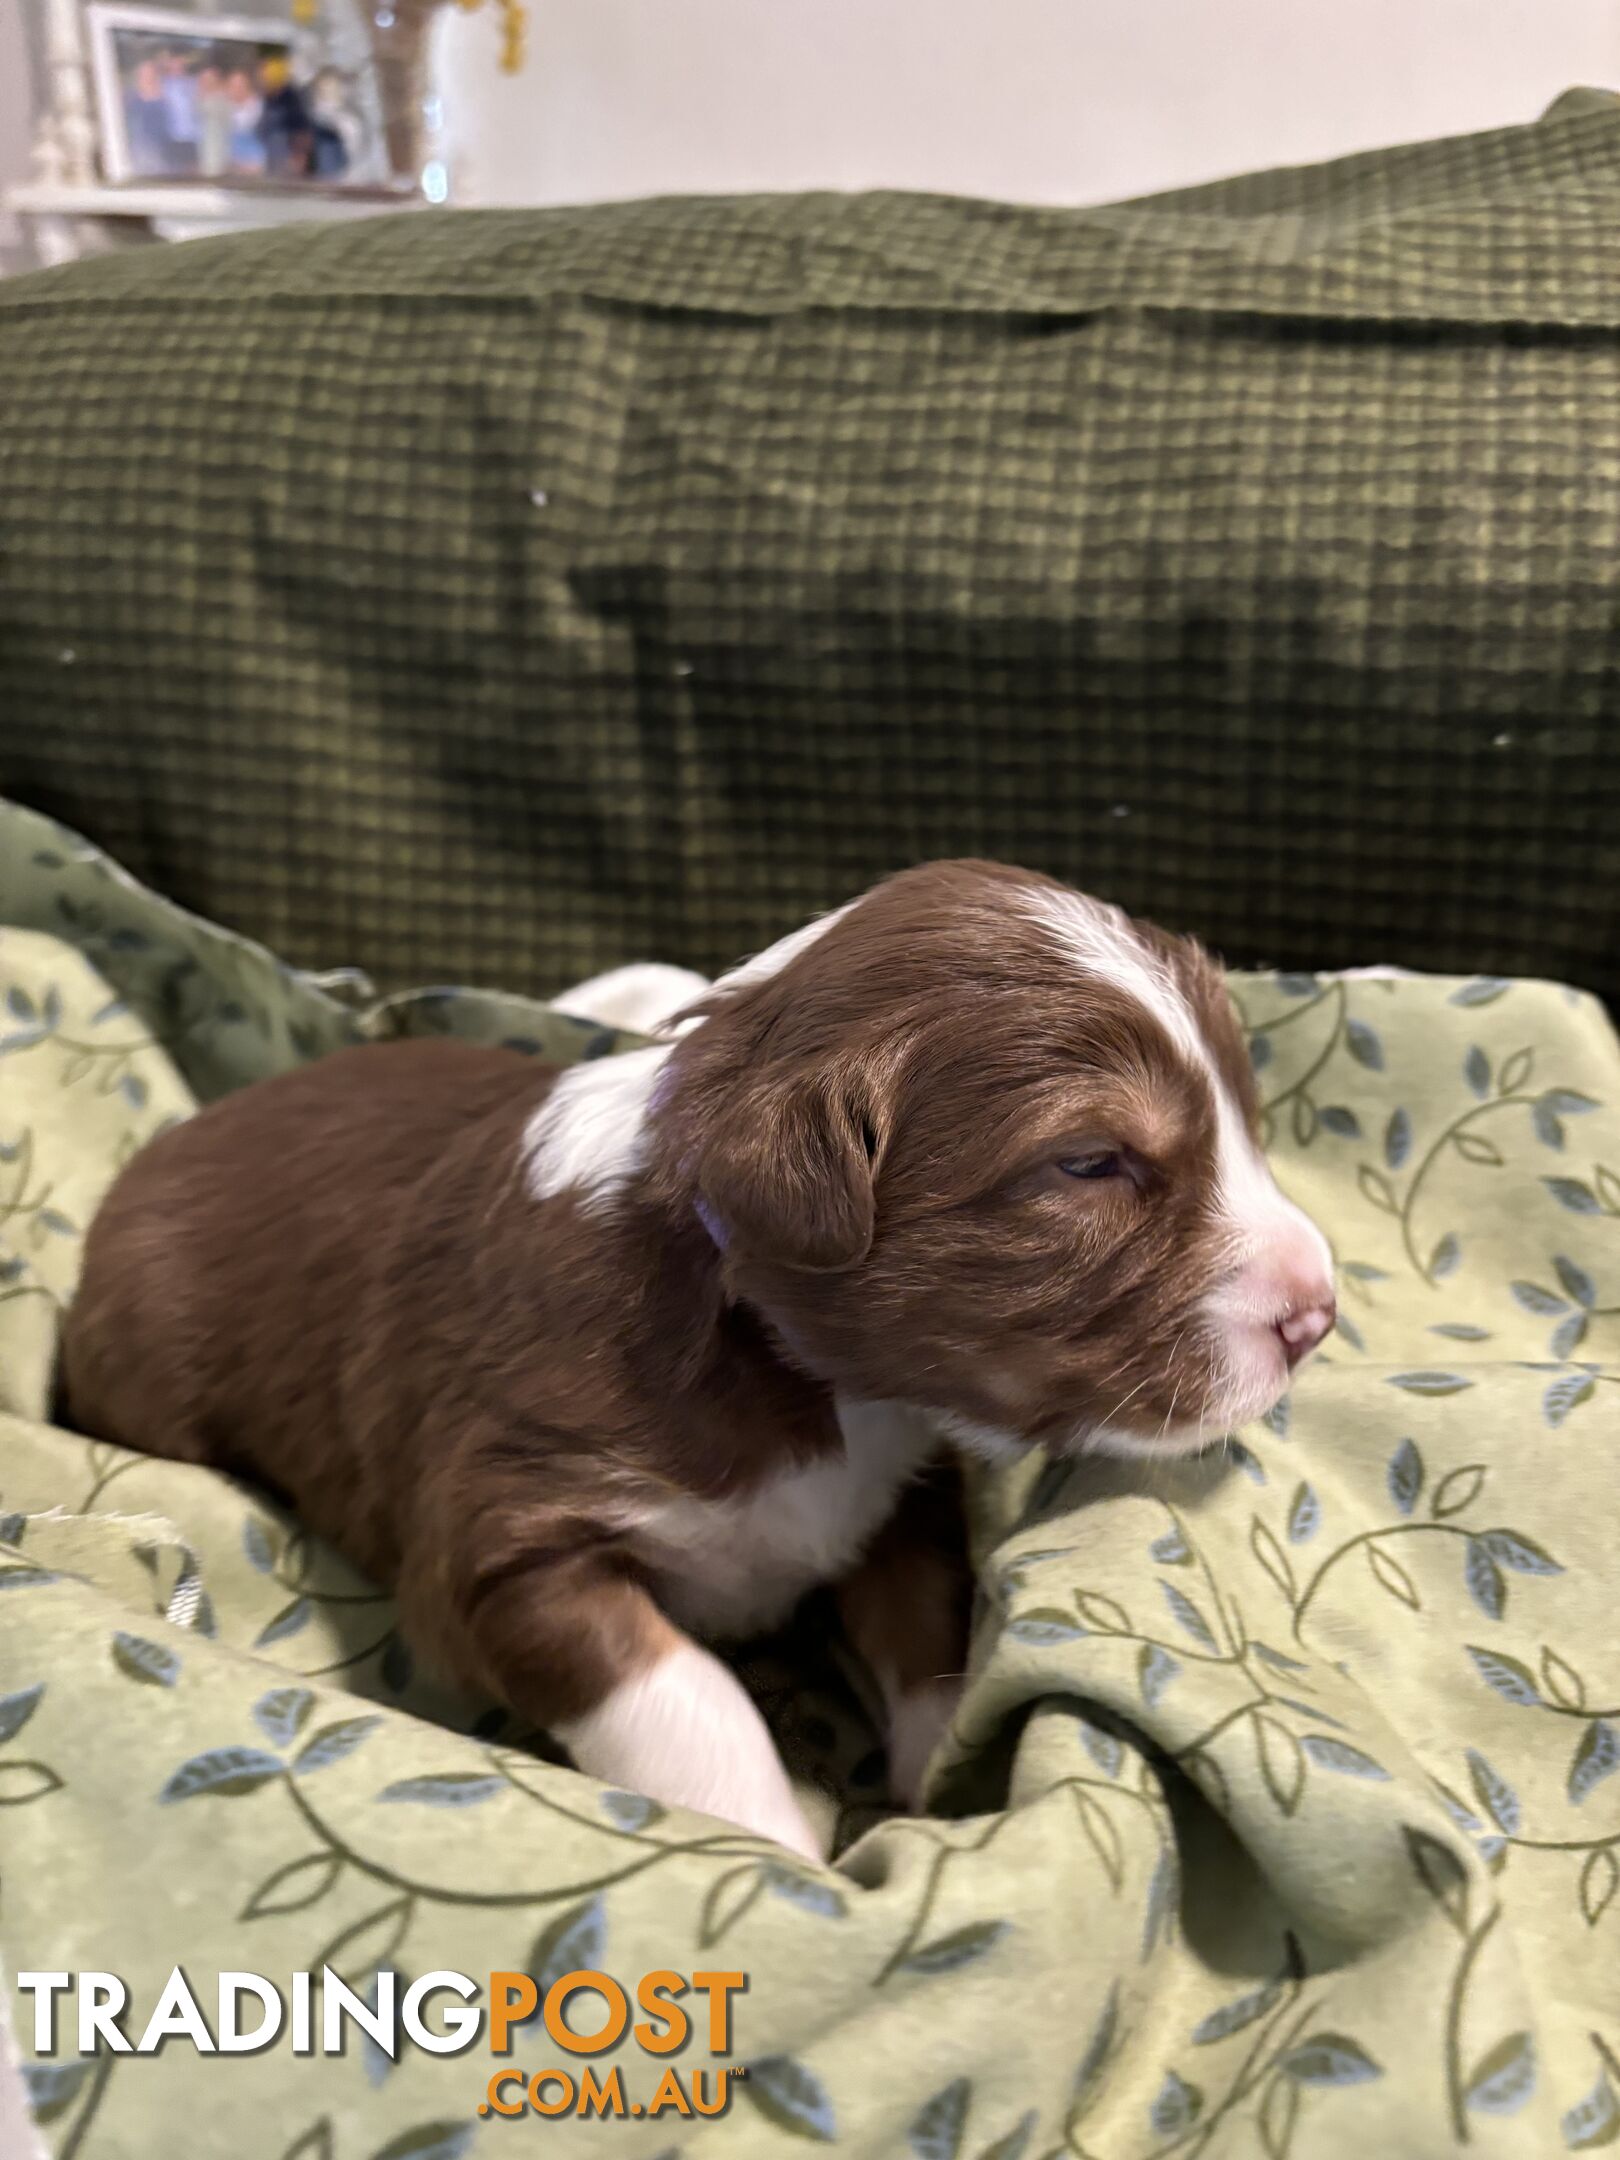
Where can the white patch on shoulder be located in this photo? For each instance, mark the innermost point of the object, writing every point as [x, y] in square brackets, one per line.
[728, 1568]
[589, 1136]
[776, 957]
[684, 1731]
[642, 997]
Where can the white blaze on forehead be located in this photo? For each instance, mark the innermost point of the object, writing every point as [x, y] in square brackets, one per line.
[1103, 943]
[1264, 1221]
[589, 1136]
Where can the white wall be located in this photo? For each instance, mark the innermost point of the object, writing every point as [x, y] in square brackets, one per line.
[1032, 100]
[16, 129]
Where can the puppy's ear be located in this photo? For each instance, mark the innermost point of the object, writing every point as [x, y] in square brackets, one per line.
[788, 1175]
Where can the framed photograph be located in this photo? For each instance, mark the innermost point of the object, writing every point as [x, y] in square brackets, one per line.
[220, 98]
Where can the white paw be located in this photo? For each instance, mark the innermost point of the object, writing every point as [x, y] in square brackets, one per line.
[788, 1825]
[683, 1731]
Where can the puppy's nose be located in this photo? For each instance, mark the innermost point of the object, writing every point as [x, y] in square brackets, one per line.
[1300, 1330]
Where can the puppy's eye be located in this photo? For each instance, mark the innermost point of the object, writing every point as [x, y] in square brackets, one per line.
[1104, 1164]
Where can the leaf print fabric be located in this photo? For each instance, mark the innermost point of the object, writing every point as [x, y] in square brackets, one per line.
[1281, 1817]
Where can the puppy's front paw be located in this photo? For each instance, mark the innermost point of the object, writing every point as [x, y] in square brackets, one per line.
[682, 1730]
[918, 1720]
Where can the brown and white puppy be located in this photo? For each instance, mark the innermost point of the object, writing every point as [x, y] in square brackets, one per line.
[590, 1364]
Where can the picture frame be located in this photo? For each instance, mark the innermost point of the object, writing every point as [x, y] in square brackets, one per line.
[224, 101]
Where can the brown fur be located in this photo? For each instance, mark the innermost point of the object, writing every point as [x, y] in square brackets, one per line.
[335, 1282]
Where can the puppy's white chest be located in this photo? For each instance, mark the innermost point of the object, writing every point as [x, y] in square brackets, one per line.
[735, 1567]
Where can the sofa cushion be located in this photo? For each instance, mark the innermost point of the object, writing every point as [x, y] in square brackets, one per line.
[514, 593]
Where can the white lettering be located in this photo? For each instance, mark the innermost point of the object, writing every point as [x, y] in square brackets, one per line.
[45, 1987]
[338, 2000]
[232, 1987]
[301, 2042]
[461, 2024]
[175, 2018]
[101, 1997]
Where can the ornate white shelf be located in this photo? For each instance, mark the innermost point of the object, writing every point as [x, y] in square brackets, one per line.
[70, 221]
[66, 218]
[189, 205]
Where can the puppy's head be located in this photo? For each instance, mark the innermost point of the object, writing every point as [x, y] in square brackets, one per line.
[980, 1143]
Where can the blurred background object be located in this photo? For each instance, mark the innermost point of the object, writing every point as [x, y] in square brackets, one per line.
[143, 123]
[1042, 101]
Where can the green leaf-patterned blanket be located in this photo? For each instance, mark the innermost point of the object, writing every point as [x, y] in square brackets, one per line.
[1281, 1815]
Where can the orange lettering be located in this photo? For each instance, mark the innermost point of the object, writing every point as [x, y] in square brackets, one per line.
[538, 2084]
[595, 1983]
[722, 1985]
[669, 2095]
[499, 2106]
[653, 1992]
[717, 2105]
[512, 1997]
[597, 2099]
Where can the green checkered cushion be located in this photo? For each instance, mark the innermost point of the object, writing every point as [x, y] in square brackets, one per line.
[502, 594]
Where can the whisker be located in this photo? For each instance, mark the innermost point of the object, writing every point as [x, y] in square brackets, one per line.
[1170, 1413]
[1124, 1399]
